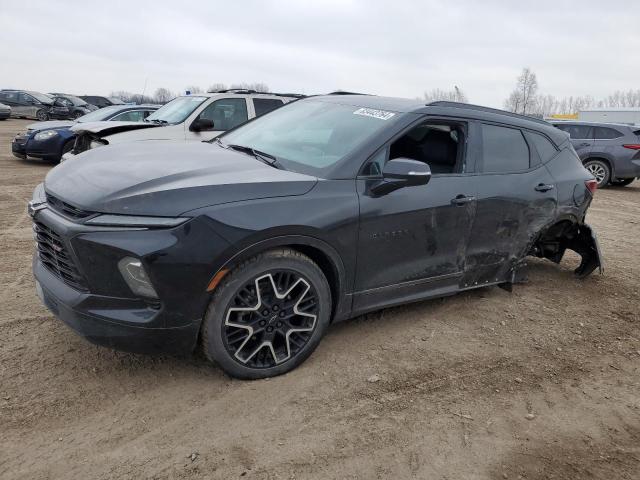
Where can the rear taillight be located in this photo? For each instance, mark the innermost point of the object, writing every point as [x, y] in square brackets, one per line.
[592, 185]
[632, 146]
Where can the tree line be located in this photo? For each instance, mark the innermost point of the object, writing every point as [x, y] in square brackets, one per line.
[163, 95]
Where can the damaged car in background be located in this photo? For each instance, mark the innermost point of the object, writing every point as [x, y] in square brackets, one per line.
[186, 118]
[252, 244]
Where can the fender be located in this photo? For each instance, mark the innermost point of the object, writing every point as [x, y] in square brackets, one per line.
[343, 300]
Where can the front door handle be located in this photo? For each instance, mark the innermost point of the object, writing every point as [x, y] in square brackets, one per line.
[462, 200]
[543, 187]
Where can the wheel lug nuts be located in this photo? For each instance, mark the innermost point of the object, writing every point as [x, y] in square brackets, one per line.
[265, 312]
[276, 308]
[279, 324]
[262, 323]
[269, 329]
[282, 314]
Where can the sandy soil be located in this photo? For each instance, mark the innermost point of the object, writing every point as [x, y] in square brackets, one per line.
[459, 378]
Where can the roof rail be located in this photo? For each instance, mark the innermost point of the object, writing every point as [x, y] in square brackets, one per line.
[342, 92]
[479, 108]
[248, 91]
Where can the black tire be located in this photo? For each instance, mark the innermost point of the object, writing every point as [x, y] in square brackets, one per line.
[622, 182]
[600, 170]
[264, 345]
[42, 115]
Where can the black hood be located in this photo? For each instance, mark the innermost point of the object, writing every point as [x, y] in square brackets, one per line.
[167, 178]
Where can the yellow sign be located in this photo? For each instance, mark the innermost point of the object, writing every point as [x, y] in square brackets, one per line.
[565, 116]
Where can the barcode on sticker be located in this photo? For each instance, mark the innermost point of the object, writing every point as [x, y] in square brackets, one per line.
[372, 112]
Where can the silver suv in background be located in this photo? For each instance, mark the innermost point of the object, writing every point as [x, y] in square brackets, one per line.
[609, 151]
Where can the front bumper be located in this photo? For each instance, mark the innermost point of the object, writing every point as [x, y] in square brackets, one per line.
[4, 114]
[27, 146]
[99, 305]
[107, 322]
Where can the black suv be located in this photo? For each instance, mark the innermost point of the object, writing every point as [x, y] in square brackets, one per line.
[329, 207]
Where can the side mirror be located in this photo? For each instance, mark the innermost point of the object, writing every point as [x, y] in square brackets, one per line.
[400, 173]
[201, 125]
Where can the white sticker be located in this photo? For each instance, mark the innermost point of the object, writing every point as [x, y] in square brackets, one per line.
[371, 112]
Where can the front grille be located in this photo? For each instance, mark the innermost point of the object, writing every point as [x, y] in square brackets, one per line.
[54, 256]
[66, 208]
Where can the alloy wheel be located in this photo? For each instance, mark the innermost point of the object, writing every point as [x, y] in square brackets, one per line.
[270, 319]
[597, 171]
[42, 115]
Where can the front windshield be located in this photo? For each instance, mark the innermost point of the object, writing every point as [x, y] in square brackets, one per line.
[177, 110]
[310, 135]
[41, 97]
[99, 115]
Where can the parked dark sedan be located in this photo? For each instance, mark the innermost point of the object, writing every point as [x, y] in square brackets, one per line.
[77, 106]
[50, 140]
[27, 104]
[611, 152]
[101, 102]
[321, 210]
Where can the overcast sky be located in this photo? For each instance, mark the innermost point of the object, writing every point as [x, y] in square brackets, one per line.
[396, 48]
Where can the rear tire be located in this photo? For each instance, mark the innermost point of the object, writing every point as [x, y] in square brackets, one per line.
[623, 182]
[42, 116]
[600, 170]
[267, 315]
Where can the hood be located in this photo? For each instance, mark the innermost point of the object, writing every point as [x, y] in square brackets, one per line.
[108, 127]
[34, 127]
[167, 178]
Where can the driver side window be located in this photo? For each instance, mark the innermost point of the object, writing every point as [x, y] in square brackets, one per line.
[438, 144]
[226, 113]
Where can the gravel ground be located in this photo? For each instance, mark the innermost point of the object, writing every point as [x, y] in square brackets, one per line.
[539, 383]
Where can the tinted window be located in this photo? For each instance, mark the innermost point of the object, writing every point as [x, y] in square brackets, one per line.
[604, 133]
[577, 131]
[265, 105]
[503, 150]
[546, 150]
[226, 113]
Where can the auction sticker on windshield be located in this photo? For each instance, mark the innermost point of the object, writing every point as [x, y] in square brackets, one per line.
[372, 112]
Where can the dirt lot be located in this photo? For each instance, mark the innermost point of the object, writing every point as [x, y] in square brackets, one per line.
[539, 383]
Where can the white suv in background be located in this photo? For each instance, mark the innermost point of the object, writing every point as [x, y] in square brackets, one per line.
[188, 118]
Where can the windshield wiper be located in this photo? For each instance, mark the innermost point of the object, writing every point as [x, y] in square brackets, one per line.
[156, 120]
[267, 158]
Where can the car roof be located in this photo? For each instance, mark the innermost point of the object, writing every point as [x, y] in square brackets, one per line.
[445, 108]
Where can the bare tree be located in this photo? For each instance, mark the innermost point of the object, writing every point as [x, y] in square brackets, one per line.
[163, 95]
[524, 97]
[129, 97]
[214, 87]
[437, 94]
[257, 86]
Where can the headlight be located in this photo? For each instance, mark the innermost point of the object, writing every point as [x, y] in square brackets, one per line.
[136, 277]
[45, 135]
[135, 221]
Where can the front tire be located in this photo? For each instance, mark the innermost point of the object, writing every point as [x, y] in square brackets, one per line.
[268, 315]
[600, 170]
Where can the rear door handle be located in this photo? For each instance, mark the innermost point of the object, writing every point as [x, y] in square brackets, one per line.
[543, 187]
[462, 200]
[585, 144]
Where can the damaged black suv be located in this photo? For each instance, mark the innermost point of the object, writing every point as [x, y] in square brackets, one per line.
[251, 245]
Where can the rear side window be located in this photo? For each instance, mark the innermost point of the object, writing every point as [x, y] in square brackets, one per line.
[605, 133]
[577, 131]
[546, 150]
[265, 105]
[503, 150]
